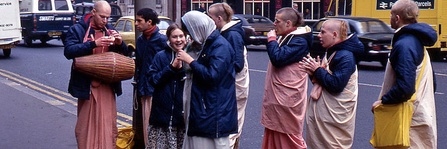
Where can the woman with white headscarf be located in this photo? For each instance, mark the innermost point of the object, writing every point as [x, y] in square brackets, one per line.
[213, 111]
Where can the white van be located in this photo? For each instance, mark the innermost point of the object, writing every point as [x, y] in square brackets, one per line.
[45, 19]
[9, 26]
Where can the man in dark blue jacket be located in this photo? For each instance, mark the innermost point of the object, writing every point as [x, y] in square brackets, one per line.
[96, 124]
[409, 75]
[222, 14]
[330, 115]
[285, 91]
[147, 45]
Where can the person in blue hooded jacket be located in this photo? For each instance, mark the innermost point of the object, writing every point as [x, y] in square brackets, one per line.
[166, 125]
[331, 109]
[222, 15]
[147, 45]
[409, 73]
[213, 110]
[285, 89]
[96, 124]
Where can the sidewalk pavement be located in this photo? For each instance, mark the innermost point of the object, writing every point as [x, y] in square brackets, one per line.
[29, 119]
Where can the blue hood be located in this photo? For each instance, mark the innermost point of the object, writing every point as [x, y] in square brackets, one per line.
[351, 44]
[424, 32]
[237, 28]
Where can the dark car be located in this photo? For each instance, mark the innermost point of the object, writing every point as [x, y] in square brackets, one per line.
[83, 8]
[44, 20]
[255, 27]
[373, 33]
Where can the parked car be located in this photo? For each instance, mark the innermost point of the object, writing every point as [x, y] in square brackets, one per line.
[45, 19]
[255, 27]
[126, 27]
[309, 22]
[83, 8]
[373, 33]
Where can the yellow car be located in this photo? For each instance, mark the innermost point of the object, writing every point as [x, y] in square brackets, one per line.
[126, 27]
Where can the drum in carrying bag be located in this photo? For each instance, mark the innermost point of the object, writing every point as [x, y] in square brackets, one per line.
[108, 66]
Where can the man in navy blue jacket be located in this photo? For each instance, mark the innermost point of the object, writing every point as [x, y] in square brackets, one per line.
[409, 75]
[148, 44]
[96, 124]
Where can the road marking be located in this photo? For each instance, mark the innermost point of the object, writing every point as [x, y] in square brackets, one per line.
[47, 94]
[256, 70]
[441, 74]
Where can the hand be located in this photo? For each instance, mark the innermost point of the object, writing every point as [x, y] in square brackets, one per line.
[183, 56]
[177, 63]
[271, 33]
[118, 39]
[375, 105]
[310, 64]
[104, 41]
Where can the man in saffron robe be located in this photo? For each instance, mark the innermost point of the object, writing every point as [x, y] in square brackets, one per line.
[330, 117]
[409, 59]
[285, 92]
[96, 124]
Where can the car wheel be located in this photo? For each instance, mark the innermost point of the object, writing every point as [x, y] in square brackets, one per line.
[28, 41]
[43, 41]
[7, 52]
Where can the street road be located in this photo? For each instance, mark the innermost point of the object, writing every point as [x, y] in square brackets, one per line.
[47, 68]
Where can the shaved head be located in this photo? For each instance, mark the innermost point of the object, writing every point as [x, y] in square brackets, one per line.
[407, 10]
[100, 14]
[102, 6]
[332, 32]
[339, 26]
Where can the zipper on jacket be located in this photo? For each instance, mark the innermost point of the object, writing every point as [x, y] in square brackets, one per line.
[217, 129]
[172, 109]
[203, 103]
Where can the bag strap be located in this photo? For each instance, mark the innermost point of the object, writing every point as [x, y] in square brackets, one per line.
[418, 80]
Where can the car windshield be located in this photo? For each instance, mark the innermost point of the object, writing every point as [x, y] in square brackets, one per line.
[372, 27]
[164, 24]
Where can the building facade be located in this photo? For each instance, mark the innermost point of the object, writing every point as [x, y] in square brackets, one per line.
[174, 9]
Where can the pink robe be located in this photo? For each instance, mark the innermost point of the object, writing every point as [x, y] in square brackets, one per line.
[96, 127]
[284, 106]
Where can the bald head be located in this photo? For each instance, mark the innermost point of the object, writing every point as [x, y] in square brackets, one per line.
[332, 32]
[407, 10]
[338, 26]
[100, 14]
[102, 6]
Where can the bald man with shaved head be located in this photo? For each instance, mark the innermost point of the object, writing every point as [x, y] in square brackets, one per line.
[332, 107]
[409, 76]
[96, 124]
[285, 88]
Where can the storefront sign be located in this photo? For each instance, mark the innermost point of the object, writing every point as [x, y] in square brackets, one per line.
[387, 4]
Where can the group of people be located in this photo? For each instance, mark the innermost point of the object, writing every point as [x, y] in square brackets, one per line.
[194, 90]
[330, 110]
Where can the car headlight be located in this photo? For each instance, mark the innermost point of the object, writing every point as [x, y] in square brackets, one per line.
[370, 44]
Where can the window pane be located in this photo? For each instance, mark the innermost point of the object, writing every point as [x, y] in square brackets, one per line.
[44, 5]
[163, 25]
[119, 25]
[128, 27]
[61, 4]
